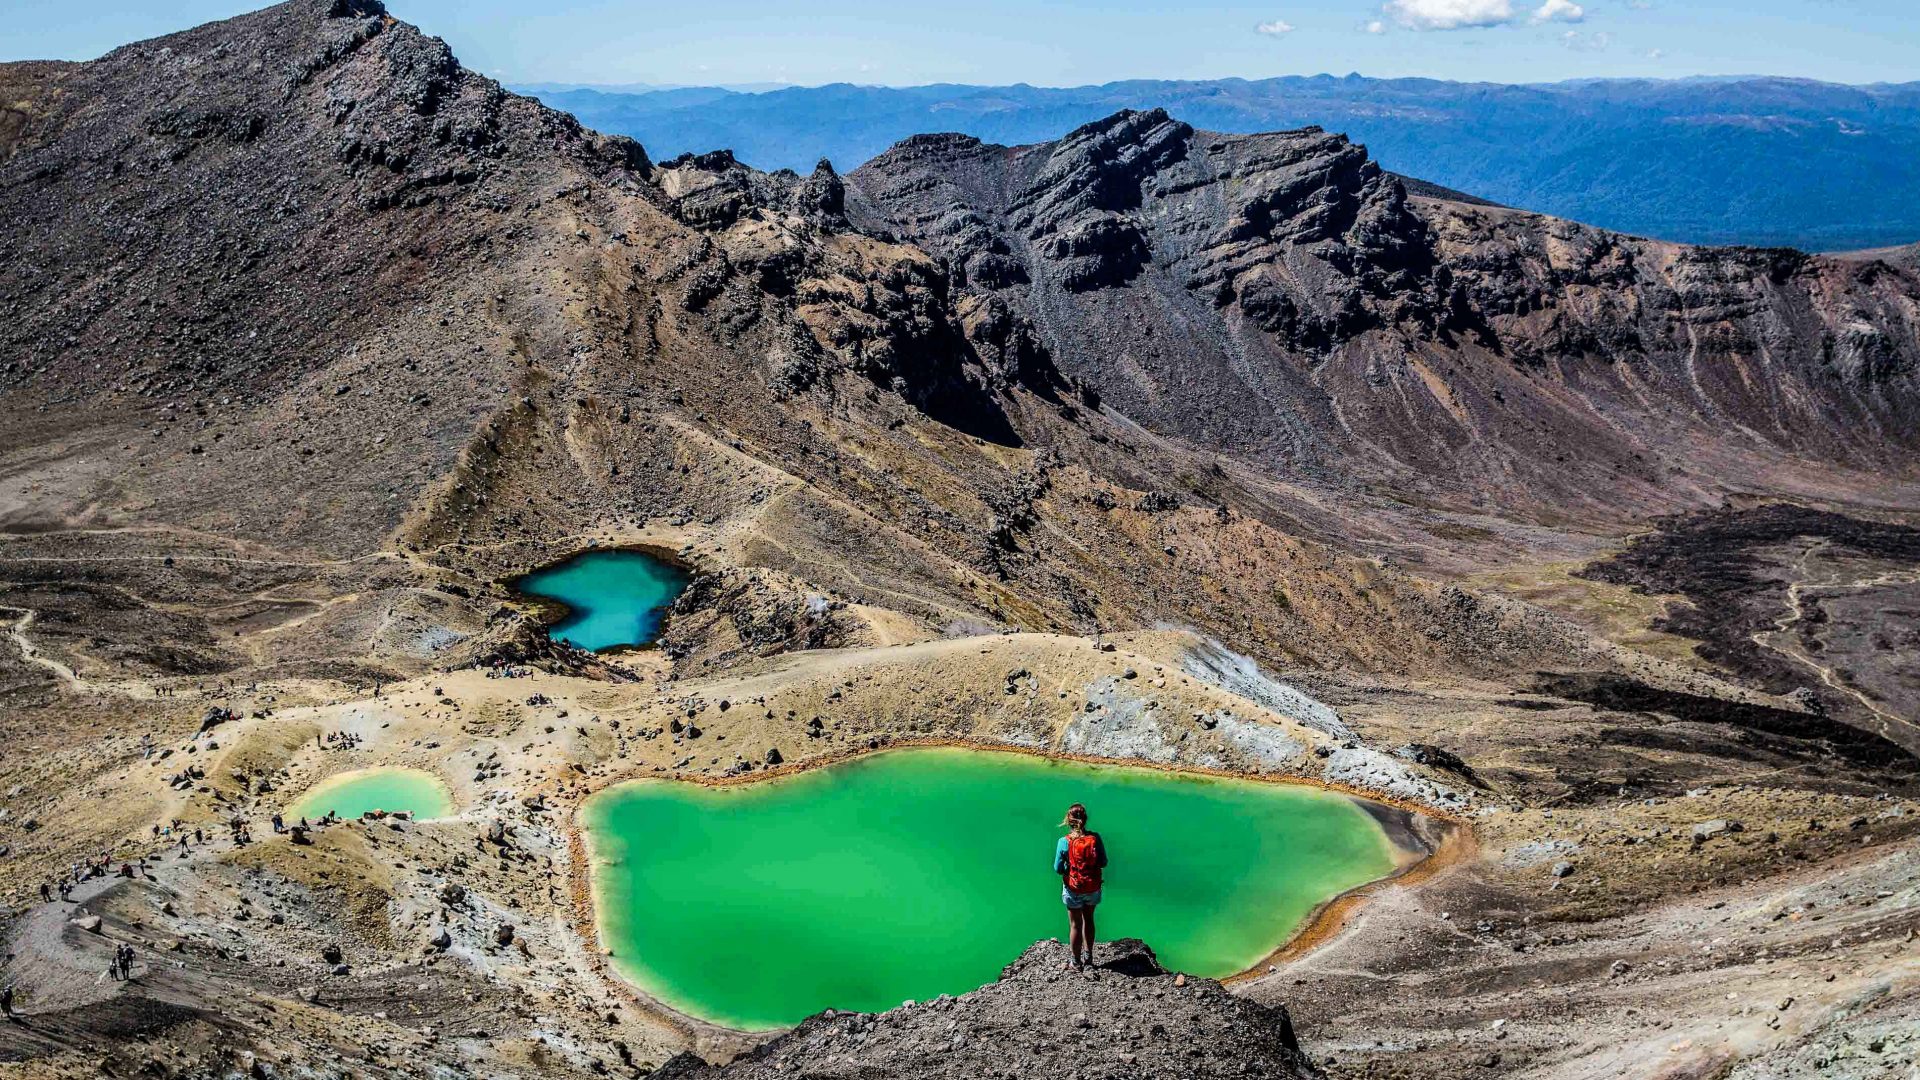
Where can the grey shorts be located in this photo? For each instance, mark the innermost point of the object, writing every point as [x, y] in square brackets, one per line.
[1077, 900]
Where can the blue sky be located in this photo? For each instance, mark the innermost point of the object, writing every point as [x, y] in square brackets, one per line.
[1061, 44]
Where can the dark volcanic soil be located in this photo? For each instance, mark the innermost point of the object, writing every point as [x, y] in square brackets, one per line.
[1796, 600]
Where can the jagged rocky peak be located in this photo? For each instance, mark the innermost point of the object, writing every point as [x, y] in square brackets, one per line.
[713, 190]
[1103, 167]
[937, 145]
[1302, 214]
[1298, 271]
[823, 191]
[780, 244]
[1076, 210]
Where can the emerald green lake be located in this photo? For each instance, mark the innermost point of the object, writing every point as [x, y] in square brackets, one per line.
[613, 597]
[354, 793]
[912, 873]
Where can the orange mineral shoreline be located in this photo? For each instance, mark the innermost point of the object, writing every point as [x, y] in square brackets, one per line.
[1457, 845]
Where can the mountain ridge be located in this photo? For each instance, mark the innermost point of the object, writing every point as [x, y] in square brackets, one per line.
[1324, 253]
[1759, 161]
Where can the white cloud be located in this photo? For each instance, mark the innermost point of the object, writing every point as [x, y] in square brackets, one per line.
[1275, 28]
[1559, 11]
[1579, 42]
[1655, 54]
[1376, 27]
[1449, 14]
[1467, 14]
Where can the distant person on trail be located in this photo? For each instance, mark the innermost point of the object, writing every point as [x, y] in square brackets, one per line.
[1078, 859]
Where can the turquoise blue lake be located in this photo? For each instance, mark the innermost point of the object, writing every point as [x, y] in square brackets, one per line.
[351, 794]
[613, 597]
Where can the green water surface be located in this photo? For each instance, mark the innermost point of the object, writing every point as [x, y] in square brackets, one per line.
[911, 873]
[613, 597]
[354, 793]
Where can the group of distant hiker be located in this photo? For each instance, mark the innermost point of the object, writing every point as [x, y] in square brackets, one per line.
[120, 968]
[173, 834]
[87, 870]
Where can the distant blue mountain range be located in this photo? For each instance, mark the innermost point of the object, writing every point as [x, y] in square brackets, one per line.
[1763, 161]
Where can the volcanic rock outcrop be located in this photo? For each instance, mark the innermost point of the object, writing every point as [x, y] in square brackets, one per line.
[1126, 1017]
[1282, 299]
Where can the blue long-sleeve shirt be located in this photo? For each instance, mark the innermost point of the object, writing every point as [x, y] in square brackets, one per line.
[1060, 854]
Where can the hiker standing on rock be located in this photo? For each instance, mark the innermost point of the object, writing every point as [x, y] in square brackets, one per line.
[1078, 859]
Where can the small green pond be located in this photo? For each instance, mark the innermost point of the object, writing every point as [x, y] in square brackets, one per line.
[911, 873]
[351, 794]
[613, 597]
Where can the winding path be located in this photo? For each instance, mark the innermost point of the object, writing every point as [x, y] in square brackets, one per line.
[1780, 639]
[18, 632]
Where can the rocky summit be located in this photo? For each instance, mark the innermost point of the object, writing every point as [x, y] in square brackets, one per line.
[1586, 563]
[1336, 321]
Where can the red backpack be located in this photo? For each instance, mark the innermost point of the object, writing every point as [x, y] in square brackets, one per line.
[1083, 863]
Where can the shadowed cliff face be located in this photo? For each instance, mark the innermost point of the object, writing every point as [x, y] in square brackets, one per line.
[1279, 297]
[880, 312]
